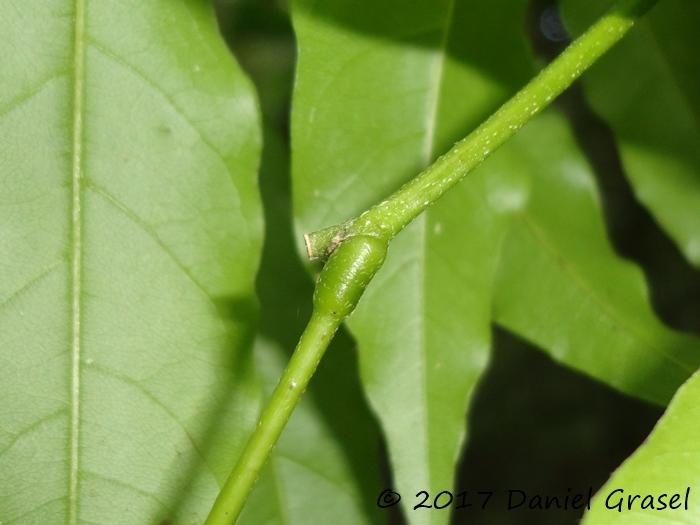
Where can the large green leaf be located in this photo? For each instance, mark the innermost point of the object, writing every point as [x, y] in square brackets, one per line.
[561, 285]
[383, 87]
[130, 229]
[667, 463]
[377, 99]
[648, 89]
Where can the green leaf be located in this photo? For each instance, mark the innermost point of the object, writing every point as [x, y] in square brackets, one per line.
[375, 101]
[668, 462]
[384, 87]
[131, 231]
[561, 285]
[648, 89]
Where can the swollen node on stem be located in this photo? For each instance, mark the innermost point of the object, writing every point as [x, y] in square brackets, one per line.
[343, 279]
[356, 249]
[347, 273]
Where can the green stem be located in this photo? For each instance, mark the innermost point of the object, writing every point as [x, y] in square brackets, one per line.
[312, 345]
[389, 217]
[356, 248]
[340, 286]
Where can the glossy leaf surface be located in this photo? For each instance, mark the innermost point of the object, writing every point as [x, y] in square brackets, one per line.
[561, 285]
[377, 99]
[648, 90]
[381, 90]
[130, 229]
[667, 463]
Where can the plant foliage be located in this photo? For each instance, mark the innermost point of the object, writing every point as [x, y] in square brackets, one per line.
[136, 348]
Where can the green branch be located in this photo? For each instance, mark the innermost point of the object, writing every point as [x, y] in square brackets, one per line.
[356, 249]
[343, 279]
[389, 217]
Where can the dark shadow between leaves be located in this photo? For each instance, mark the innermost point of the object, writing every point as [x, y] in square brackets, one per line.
[544, 429]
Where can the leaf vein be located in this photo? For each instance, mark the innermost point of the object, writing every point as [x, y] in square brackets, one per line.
[128, 381]
[30, 428]
[148, 230]
[120, 61]
[29, 94]
[128, 486]
[76, 219]
[317, 472]
[437, 73]
[581, 284]
[29, 284]
[30, 512]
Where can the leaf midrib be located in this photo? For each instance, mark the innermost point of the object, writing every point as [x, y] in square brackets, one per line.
[437, 71]
[78, 99]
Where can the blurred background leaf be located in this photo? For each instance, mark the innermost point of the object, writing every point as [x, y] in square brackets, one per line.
[326, 466]
[373, 106]
[648, 90]
[668, 462]
[562, 286]
[380, 91]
